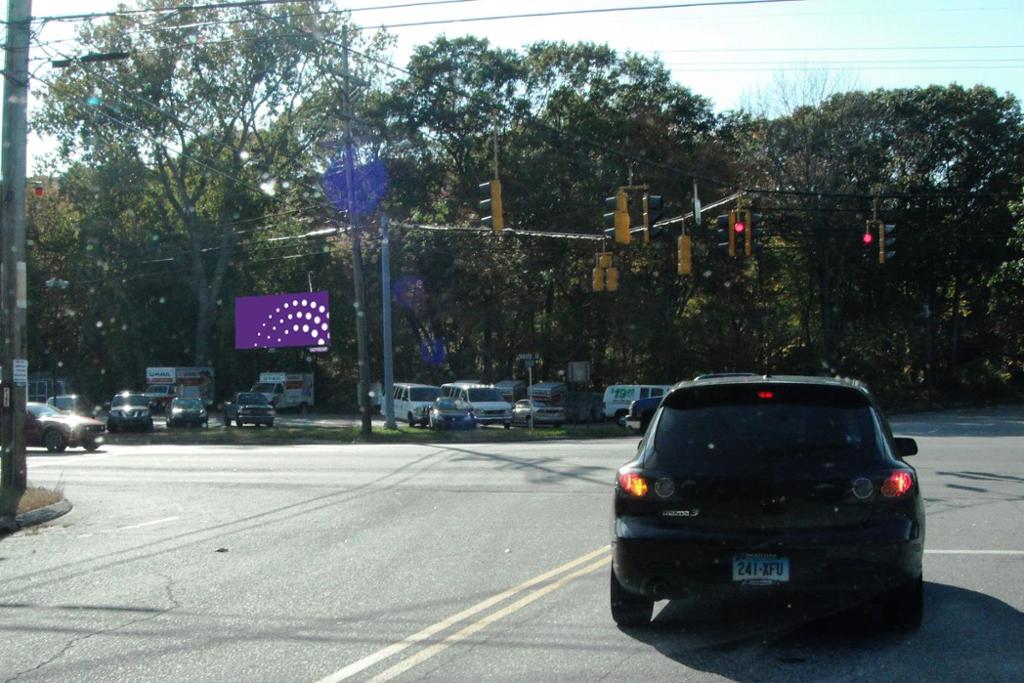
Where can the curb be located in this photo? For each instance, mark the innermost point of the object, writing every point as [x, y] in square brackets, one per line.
[35, 517]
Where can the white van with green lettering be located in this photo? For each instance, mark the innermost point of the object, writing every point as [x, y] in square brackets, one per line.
[617, 397]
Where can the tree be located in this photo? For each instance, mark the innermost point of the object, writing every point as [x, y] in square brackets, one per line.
[221, 110]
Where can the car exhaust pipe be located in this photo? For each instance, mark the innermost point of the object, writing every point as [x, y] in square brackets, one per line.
[660, 589]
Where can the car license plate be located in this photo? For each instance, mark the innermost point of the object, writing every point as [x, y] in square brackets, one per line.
[760, 568]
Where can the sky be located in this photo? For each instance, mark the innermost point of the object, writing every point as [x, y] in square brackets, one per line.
[736, 55]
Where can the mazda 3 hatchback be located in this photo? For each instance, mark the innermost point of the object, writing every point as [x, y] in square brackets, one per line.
[757, 483]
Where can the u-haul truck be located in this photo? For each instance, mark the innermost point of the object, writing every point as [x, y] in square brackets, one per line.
[286, 389]
[165, 384]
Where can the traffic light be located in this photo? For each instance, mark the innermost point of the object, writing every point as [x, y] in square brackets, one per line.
[617, 222]
[605, 277]
[611, 279]
[740, 228]
[653, 210]
[490, 207]
[886, 241]
[685, 255]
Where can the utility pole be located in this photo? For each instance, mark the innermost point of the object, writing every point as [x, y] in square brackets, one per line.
[389, 352]
[362, 342]
[12, 263]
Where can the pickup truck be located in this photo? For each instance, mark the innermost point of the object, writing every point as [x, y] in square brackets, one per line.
[640, 413]
[251, 407]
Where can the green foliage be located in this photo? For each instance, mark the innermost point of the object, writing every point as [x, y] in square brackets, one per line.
[191, 176]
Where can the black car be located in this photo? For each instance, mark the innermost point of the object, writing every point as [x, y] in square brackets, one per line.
[187, 411]
[129, 411]
[758, 483]
[251, 407]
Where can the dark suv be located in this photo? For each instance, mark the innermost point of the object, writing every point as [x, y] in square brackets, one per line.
[758, 483]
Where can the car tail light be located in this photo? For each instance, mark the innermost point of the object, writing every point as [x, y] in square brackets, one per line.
[633, 484]
[897, 484]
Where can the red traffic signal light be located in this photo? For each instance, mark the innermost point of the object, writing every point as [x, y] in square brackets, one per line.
[867, 238]
[739, 226]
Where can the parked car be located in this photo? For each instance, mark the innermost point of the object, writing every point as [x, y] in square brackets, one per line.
[160, 396]
[792, 482]
[538, 414]
[251, 407]
[56, 430]
[485, 400]
[413, 402]
[129, 411]
[187, 411]
[617, 397]
[70, 403]
[640, 413]
[451, 413]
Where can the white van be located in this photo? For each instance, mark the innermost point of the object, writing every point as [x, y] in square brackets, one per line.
[485, 399]
[413, 401]
[617, 397]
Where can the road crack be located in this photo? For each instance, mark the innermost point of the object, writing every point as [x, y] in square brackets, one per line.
[169, 594]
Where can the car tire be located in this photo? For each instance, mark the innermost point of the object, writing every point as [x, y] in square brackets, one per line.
[149, 426]
[90, 445]
[238, 421]
[227, 421]
[112, 427]
[54, 441]
[629, 609]
[903, 606]
[508, 425]
[410, 420]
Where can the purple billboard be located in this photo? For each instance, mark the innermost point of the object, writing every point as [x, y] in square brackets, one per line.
[281, 320]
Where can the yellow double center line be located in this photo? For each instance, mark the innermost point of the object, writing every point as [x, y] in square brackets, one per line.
[420, 636]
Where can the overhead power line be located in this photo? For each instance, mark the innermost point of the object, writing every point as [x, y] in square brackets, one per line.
[578, 12]
[243, 4]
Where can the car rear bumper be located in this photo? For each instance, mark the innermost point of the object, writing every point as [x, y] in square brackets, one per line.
[674, 563]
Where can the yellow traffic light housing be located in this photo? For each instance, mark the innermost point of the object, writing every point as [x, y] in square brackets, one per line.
[685, 255]
[611, 279]
[496, 219]
[605, 276]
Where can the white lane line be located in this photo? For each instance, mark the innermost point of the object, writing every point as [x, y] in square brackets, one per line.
[382, 654]
[522, 602]
[974, 552]
[155, 521]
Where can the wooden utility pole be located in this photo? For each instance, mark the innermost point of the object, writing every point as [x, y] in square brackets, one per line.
[362, 342]
[14, 287]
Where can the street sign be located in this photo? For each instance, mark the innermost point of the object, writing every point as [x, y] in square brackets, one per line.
[528, 356]
[20, 372]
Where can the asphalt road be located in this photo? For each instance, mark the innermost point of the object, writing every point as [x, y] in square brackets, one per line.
[464, 563]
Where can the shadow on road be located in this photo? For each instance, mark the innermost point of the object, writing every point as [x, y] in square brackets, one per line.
[965, 635]
[541, 470]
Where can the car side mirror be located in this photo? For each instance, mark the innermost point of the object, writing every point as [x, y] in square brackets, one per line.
[906, 446]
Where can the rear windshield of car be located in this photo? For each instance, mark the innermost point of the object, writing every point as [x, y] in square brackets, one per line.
[753, 428]
[264, 388]
[252, 398]
[423, 393]
[485, 395]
